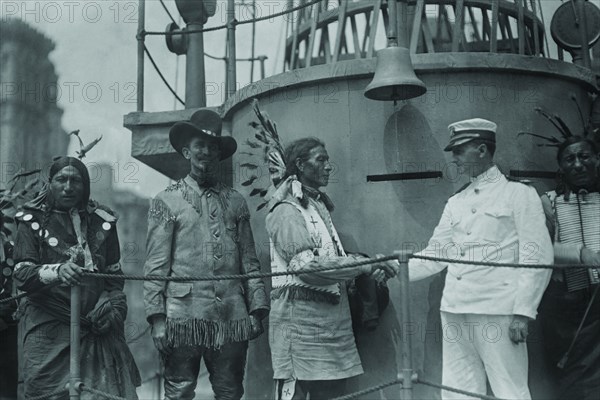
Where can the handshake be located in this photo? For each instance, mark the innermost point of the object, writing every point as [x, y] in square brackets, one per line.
[384, 270]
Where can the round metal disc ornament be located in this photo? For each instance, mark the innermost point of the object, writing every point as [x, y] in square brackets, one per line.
[567, 23]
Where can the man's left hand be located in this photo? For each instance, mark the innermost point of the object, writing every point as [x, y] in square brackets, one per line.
[518, 329]
[256, 327]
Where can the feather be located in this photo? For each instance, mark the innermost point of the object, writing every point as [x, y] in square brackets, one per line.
[262, 138]
[76, 133]
[261, 206]
[252, 144]
[548, 138]
[563, 124]
[250, 181]
[247, 153]
[265, 132]
[84, 149]
[23, 174]
[249, 166]
[551, 119]
[572, 97]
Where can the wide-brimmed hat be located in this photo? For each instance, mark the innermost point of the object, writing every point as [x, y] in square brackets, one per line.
[464, 131]
[203, 123]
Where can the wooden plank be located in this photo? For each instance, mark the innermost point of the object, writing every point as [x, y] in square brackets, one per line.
[340, 29]
[457, 32]
[494, 32]
[357, 50]
[427, 35]
[367, 31]
[446, 20]
[416, 28]
[313, 34]
[536, 37]
[474, 23]
[486, 26]
[509, 33]
[294, 55]
[521, 26]
[374, 25]
[544, 24]
[326, 44]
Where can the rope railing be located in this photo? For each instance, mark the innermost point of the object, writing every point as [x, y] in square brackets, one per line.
[454, 390]
[504, 265]
[48, 395]
[235, 22]
[417, 380]
[369, 390]
[25, 294]
[162, 77]
[162, 3]
[252, 275]
[403, 276]
[260, 275]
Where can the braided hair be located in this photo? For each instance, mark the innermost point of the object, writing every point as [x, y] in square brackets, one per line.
[48, 202]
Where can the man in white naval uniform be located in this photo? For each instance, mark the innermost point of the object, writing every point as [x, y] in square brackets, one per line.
[485, 310]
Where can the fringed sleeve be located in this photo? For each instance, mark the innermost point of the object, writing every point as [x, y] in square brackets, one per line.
[161, 224]
[256, 297]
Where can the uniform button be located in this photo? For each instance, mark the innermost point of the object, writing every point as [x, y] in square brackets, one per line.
[473, 210]
[458, 278]
[476, 191]
[469, 232]
[462, 253]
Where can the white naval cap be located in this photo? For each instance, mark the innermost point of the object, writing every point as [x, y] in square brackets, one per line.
[466, 130]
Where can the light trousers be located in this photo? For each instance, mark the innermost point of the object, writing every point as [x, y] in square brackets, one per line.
[478, 346]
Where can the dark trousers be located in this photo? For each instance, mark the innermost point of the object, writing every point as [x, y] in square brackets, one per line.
[318, 390]
[225, 368]
[8, 363]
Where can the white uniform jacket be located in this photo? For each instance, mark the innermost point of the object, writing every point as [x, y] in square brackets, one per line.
[492, 220]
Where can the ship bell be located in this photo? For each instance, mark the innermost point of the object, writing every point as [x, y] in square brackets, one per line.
[394, 78]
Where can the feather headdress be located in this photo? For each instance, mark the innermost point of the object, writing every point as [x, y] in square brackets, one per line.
[560, 125]
[267, 138]
[84, 149]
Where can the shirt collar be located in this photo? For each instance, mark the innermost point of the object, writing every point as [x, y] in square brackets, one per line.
[489, 176]
[202, 190]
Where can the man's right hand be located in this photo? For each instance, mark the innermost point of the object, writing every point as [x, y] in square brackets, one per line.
[590, 257]
[70, 273]
[159, 333]
[383, 271]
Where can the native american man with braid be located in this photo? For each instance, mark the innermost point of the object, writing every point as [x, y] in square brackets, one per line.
[61, 234]
[570, 308]
[312, 344]
[200, 226]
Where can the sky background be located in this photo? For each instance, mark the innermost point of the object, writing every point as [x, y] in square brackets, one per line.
[96, 55]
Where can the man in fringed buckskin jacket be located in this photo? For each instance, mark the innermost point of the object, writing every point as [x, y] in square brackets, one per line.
[199, 226]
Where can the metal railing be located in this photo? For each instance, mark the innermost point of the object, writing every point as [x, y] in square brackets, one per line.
[327, 31]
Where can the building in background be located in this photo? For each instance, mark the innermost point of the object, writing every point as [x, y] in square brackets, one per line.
[30, 118]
